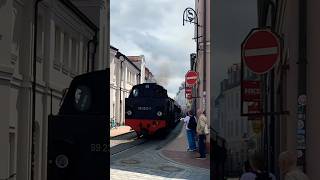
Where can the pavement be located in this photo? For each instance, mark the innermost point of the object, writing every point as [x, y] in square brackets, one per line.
[160, 160]
[177, 151]
[119, 131]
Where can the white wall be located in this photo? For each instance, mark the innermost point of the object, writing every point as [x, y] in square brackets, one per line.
[15, 79]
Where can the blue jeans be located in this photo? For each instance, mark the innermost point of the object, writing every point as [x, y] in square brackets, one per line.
[191, 139]
[202, 146]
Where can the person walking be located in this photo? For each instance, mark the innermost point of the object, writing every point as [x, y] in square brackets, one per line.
[202, 131]
[257, 163]
[190, 131]
[287, 164]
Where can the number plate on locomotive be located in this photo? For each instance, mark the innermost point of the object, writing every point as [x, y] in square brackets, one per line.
[144, 108]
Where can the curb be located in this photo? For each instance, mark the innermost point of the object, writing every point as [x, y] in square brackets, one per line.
[121, 134]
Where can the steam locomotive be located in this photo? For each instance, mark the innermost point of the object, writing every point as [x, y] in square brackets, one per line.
[149, 110]
[78, 135]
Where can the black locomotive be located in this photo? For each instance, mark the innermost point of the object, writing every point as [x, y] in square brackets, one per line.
[78, 135]
[149, 110]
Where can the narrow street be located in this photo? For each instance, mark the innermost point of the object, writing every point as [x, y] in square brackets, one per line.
[152, 160]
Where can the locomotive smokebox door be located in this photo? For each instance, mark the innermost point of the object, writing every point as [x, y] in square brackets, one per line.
[78, 137]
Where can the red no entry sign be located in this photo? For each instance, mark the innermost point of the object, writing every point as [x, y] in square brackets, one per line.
[261, 50]
[188, 90]
[191, 77]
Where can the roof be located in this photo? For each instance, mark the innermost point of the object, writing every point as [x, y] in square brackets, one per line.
[135, 58]
[113, 48]
[127, 59]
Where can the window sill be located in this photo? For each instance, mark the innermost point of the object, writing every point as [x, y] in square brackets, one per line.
[65, 70]
[14, 59]
[57, 65]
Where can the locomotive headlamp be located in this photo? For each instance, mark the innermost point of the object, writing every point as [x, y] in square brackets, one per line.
[129, 113]
[159, 113]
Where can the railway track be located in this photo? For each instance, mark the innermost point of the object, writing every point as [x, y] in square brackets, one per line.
[124, 142]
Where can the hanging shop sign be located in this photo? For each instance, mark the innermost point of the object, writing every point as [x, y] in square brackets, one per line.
[251, 91]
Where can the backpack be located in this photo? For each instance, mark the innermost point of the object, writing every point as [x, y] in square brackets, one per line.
[192, 124]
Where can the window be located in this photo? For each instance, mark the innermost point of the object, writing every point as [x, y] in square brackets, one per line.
[73, 54]
[237, 128]
[242, 126]
[84, 59]
[57, 45]
[82, 98]
[40, 36]
[237, 100]
[66, 50]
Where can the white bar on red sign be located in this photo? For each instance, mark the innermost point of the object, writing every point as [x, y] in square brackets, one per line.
[194, 77]
[261, 51]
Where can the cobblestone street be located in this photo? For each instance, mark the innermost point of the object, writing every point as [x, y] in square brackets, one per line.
[148, 161]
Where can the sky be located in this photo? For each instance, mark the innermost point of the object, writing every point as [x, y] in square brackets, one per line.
[232, 21]
[153, 28]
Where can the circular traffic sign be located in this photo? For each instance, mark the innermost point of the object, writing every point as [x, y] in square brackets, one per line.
[191, 77]
[188, 90]
[261, 50]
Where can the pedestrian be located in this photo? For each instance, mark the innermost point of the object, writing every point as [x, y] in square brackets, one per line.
[247, 172]
[190, 131]
[202, 131]
[257, 164]
[288, 166]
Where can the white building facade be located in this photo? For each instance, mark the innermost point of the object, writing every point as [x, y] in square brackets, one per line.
[181, 98]
[235, 129]
[124, 74]
[140, 62]
[62, 53]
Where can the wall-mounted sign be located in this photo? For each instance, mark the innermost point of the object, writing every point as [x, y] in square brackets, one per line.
[191, 78]
[251, 91]
[261, 50]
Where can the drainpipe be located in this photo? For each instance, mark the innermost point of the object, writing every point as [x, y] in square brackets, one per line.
[33, 122]
[204, 49]
[88, 53]
[302, 62]
[95, 42]
[92, 54]
[120, 120]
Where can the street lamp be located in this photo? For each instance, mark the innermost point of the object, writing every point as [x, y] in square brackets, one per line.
[191, 16]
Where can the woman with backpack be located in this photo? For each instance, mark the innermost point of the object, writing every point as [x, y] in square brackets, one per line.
[191, 125]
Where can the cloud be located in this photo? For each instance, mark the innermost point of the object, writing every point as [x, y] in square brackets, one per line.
[154, 28]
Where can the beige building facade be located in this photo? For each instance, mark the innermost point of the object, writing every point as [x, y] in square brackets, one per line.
[62, 53]
[296, 22]
[202, 65]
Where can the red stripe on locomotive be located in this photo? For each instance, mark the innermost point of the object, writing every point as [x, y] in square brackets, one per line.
[151, 125]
